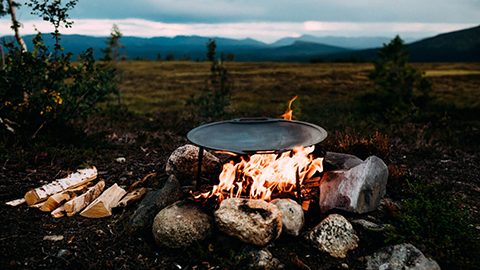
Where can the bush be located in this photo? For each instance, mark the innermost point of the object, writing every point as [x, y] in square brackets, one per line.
[439, 224]
[400, 90]
[38, 89]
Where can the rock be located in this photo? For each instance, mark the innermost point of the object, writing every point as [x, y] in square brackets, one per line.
[292, 216]
[183, 163]
[154, 201]
[357, 190]
[252, 221]
[180, 225]
[334, 235]
[261, 260]
[368, 225]
[340, 161]
[399, 257]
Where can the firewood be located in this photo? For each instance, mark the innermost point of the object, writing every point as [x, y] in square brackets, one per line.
[37, 205]
[54, 201]
[132, 196]
[102, 206]
[59, 212]
[139, 183]
[16, 202]
[74, 180]
[75, 205]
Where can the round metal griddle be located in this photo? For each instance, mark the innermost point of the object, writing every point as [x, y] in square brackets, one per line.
[256, 135]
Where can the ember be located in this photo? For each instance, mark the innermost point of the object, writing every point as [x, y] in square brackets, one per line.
[260, 175]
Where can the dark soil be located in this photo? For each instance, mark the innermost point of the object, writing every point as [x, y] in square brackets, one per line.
[104, 243]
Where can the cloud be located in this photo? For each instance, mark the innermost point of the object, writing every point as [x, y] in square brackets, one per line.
[264, 31]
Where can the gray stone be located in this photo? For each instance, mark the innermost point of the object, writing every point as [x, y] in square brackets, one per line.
[334, 235]
[180, 225]
[340, 161]
[183, 162]
[400, 257]
[262, 260]
[292, 216]
[357, 190]
[252, 221]
[141, 220]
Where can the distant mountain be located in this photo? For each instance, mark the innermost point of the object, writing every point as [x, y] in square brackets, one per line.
[457, 46]
[299, 51]
[462, 45]
[345, 42]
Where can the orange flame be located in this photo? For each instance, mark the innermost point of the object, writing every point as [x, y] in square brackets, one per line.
[263, 174]
[288, 115]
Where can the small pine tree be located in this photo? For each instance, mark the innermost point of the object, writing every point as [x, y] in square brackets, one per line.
[399, 88]
[112, 51]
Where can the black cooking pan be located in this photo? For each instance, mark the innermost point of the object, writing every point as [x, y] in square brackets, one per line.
[256, 135]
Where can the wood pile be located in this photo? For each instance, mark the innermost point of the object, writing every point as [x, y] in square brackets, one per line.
[76, 194]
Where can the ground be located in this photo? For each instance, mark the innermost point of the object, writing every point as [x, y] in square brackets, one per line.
[440, 149]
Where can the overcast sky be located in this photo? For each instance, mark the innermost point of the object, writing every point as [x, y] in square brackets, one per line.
[266, 20]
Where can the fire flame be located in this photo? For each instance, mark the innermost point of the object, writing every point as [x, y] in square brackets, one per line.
[261, 175]
[288, 115]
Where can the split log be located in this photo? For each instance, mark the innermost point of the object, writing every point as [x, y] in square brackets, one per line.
[102, 206]
[74, 180]
[59, 212]
[142, 219]
[37, 205]
[16, 202]
[132, 196]
[56, 200]
[77, 204]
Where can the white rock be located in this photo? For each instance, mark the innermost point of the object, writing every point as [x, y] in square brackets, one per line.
[252, 221]
[357, 190]
[180, 225]
[400, 257]
[183, 162]
[120, 160]
[334, 235]
[340, 161]
[292, 216]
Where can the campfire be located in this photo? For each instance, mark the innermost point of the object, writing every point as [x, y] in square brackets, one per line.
[267, 176]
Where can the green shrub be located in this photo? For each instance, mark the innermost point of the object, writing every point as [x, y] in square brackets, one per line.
[399, 90]
[439, 224]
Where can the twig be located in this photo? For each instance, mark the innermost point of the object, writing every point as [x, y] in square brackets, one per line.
[39, 128]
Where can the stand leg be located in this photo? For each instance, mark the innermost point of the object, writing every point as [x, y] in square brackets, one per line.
[199, 168]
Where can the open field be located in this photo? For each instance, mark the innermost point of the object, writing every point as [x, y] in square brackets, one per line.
[439, 149]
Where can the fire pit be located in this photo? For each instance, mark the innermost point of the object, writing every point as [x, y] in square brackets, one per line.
[275, 156]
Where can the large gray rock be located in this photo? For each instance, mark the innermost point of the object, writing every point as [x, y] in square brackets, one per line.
[357, 190]
[183, 162]
[400, 257]
[334, 235]
[252, 221]
[340, 161]
[292, 216]
[180, 225]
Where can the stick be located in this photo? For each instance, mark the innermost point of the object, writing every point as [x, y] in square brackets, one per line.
[141, 182]
[132, 196]
[16, 202]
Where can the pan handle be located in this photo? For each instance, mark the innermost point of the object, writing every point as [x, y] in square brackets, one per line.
[254, 120]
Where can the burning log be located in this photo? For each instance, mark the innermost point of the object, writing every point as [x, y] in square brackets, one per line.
[102, 206]
[132, 196]
[74, 180]
[77, 204]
